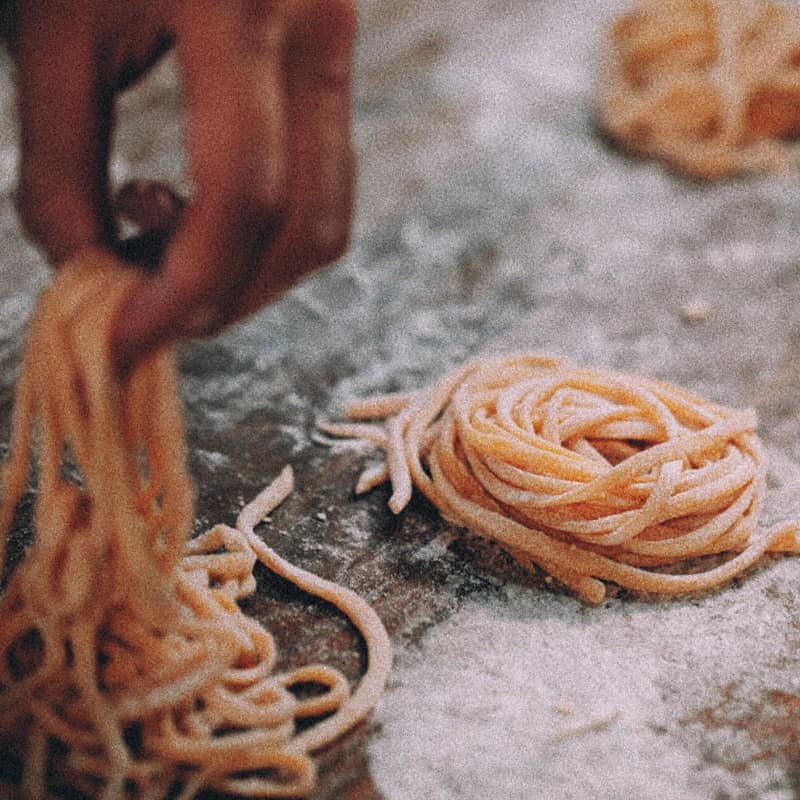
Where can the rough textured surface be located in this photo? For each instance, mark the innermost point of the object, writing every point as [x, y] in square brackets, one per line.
[492, 215]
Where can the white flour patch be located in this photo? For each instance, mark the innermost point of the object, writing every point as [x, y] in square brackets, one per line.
[536, 696]
[212, 459]
[436, 548]
[356, 526]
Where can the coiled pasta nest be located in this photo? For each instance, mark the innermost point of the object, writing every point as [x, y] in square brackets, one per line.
[592, 475]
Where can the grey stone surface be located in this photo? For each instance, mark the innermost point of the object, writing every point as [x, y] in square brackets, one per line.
[491, 216]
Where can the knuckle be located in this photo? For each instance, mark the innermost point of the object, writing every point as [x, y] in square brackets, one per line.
[330, 238]
[204, 309]
[253, 186]
[205, 320]
[268, 202]
[262, 213]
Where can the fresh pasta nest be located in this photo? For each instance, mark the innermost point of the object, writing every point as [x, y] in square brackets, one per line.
[127, 667]
[592, 475]
[712, 87]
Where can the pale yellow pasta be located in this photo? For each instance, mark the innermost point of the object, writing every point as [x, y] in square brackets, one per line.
[127, 667]
[712, 87]
[592, 475]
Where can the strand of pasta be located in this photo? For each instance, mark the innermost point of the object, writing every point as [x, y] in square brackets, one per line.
[591, 474]
[127, 667]
[709, 86]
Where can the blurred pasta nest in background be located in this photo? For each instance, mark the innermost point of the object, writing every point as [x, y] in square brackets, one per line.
[710, 86]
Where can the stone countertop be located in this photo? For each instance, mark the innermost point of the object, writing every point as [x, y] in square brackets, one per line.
[493, 216]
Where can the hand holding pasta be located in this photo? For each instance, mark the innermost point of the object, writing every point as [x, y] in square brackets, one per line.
[711, 87]
[127, 667]
[267, 88]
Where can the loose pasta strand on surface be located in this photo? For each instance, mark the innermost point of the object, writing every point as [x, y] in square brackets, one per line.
[127, 667]
[657, 476]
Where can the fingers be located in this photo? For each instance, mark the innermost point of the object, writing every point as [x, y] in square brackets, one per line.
[65, 125]
[72, 57]
[269, 133]
[237, 136]
[320, 197]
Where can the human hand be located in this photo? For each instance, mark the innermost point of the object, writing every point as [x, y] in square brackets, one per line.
[267, 88]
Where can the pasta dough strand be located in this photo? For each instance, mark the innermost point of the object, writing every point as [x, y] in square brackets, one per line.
[127, 667]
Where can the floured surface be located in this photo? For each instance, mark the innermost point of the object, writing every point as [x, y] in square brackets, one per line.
[492, 216]
[526, 693]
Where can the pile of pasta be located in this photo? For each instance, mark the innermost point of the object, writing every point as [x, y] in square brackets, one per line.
[712, 87]
[592, 475]
[127, 667]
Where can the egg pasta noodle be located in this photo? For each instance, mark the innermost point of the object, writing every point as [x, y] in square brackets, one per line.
[593, 475]
[712, 87]
[127, 666]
